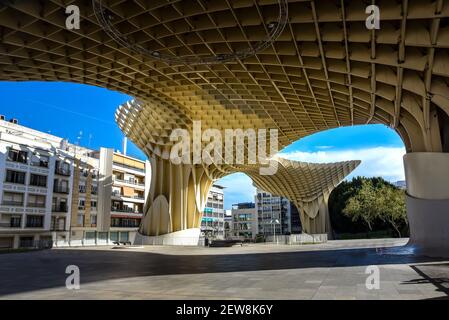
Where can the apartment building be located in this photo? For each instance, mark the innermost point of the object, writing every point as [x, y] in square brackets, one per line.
[244, 220]
[276, 215]
[56, 193]
[228, 224]
[35, 167]
[83, 193]
[110, 197]
[128, 196]
[213, 222]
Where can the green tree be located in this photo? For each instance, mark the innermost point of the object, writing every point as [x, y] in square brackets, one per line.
[392, 207]
[373, 201]
[362, 206]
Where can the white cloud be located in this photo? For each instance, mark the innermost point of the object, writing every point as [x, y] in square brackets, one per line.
[239, 188]
[383, 162]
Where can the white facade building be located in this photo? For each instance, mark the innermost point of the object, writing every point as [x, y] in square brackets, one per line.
[56, 193]
[244, 220]
[276, 215]
[213, 222]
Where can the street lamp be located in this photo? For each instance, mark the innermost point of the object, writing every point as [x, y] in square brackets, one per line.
[274, 222]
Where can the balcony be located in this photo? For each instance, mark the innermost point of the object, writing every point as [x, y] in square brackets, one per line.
[62, 172]
[116, 194]
[60, 208]
[36, 205]
[61, 189]
[125, 210]
[11, 224]
[40, 163]
[124, 225]
[34, 225]
[133, 182]
[124, 166]
[12, 203]
[119, 195]
[57, 229]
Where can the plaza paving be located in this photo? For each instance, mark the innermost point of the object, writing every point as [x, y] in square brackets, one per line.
[335, 270]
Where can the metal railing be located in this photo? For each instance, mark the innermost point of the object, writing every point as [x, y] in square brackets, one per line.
[34, 225]
[9, 225]
[62, 171]
[118, 194]
[57, 229]
[130, 182]
[60, 189]
[125, 225]
[59, 209]
[12, 203]
[42, 164]
[36, 205]
[129, 167]
[125, 210]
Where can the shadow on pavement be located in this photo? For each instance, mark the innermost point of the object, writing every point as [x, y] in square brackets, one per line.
[436, 274]
[46, 269]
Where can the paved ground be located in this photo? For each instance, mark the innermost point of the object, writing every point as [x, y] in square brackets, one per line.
[335, 270]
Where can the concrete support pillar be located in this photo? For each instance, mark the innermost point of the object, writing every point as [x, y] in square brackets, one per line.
[16, 241]
[427, 177]
[315, 217]
[176, 199]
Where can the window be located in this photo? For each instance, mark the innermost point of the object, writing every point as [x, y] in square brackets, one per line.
[36, 200]
[16, 222]
[94, 189]
[80, 220]
[26, 242]
[114, 236]
[59, 207]
[15, 176]
[84, 172]
[13, 199]
[57, 224]
[93, 219]
[103, 236]
[81, 204]
[82, 188]
[39, 160]
[61, 186]
[35, 222]
[93, 205]
[90, 235]
[62, 168]
[124, 236]
[38, 180]
[115, 222]
[17, 156]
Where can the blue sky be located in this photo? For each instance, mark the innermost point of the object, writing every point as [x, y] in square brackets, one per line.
[65, 109]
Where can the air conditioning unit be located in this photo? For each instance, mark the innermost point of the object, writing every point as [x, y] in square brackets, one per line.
[14, 120]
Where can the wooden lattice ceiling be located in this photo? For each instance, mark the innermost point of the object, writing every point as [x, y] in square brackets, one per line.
[325, 70]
